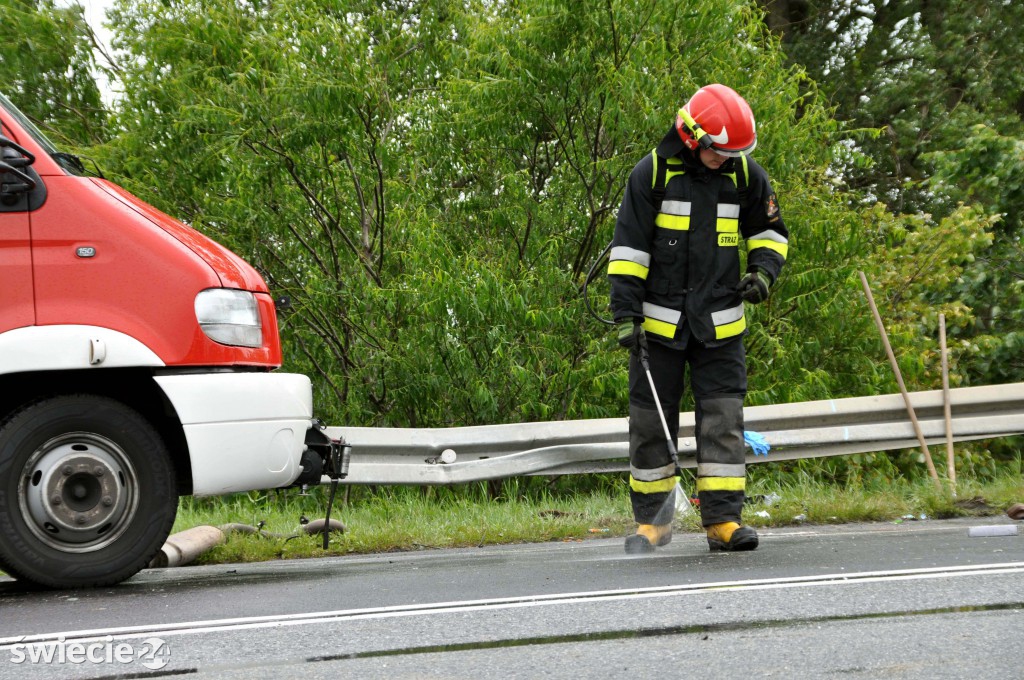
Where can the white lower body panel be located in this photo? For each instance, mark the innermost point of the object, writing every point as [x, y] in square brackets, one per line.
[245, 431]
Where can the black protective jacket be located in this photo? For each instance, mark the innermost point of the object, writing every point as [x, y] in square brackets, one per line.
[675, 259]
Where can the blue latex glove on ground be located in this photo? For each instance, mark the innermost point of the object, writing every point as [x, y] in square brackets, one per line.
[757, 442]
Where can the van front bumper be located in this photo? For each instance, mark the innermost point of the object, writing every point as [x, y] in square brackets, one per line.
[245, 431]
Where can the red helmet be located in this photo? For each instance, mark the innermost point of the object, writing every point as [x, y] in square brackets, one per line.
[717, 118]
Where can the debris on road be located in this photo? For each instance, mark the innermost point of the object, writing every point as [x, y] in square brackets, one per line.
[994, 530]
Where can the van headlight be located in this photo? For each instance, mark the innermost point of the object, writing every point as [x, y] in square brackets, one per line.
[230, 317]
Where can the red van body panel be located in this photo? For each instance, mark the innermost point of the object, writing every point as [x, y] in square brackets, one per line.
[16, 305]
[140, 273]
[95, 255]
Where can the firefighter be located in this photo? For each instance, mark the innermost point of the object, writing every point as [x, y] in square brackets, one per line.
[675, 277]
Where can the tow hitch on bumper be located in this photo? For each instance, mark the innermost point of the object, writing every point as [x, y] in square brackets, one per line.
[324, 456]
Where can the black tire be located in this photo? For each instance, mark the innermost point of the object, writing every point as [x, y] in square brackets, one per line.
[87, 492]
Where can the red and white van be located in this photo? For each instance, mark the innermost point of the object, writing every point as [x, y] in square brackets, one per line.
[137, 363]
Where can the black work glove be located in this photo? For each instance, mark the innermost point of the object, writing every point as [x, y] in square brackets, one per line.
[629, 331]
[754, 286]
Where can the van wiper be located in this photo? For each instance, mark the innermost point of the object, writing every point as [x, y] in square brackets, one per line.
[69, 161]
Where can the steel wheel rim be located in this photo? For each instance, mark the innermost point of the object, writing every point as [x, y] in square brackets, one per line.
[78, 492]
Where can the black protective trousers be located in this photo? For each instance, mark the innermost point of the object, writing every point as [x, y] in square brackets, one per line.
[718, 379]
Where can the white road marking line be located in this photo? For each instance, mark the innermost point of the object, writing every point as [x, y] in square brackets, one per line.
[395, 611]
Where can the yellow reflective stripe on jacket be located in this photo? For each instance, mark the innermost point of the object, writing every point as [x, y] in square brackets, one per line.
[770, 239]
[665, 330]
[729, 322]
[660, 486]
[728, 220]
[721, 483]
[674, 215]
[629, 262]
[661, 320]
[674, 222]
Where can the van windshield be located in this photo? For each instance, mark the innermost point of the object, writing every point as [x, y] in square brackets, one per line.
[66, 161]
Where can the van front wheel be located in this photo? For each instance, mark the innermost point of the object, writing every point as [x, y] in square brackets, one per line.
[87, 492]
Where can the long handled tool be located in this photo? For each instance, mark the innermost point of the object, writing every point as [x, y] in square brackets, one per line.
[682, 502]
[644, 357]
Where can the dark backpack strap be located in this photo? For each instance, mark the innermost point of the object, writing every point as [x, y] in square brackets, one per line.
[742, 180]
[658, 181]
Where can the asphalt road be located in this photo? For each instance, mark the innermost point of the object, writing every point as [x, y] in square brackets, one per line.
[913, 600]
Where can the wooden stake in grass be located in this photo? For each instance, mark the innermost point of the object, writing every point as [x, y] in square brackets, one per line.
[899, 381]
[947, 408]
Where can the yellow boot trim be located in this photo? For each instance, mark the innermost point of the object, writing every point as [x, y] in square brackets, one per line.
[722, 532]
[657, 534]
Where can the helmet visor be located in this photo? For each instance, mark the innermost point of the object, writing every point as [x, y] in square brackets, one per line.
[733, 153]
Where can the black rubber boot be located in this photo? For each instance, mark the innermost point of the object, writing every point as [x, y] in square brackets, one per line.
[731, 537]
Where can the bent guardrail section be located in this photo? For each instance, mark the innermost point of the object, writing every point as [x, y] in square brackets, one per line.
[812, 429]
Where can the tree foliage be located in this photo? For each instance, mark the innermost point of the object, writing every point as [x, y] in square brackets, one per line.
[47, 64]
[942, 84]
[430, 180]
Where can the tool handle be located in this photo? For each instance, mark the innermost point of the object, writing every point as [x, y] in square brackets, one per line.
[644, 356]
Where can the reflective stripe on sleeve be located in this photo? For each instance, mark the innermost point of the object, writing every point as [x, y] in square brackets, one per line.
[770, 239]
[729, 322]
[661, 320]
[629, 262]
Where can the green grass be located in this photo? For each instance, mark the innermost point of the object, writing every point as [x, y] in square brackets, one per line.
[534, 510]
[406, 518]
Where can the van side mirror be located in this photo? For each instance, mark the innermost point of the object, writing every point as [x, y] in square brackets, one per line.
[21, 184]
[14, 154]
[13, 181]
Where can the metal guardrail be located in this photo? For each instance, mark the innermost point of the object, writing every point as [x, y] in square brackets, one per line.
[799, 430]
